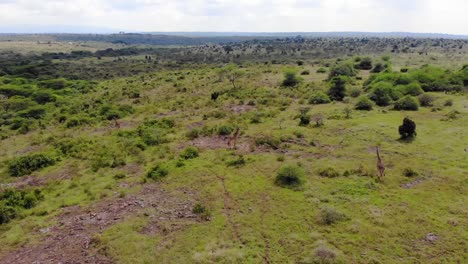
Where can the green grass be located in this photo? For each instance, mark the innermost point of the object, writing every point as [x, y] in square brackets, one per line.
[252, 219]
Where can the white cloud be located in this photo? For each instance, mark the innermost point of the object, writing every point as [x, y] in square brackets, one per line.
[242, 15]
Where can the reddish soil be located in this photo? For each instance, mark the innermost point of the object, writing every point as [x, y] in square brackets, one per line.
[74, 239]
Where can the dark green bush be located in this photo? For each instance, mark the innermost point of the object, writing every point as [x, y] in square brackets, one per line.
[337, 89]
[225, 130]
[189, 153]
[157, 172]
[35, 112]
[409, 172]
[408, 129]
[290, 79]
[290, 176]
[240, 161]
[407, 103]
[364, 103]
[343, 69]
[364, 64]
[27, 164]
[12, 201]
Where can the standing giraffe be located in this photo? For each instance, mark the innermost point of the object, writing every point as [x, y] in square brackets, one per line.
[232, 140]
[380, 165]
[116, 123]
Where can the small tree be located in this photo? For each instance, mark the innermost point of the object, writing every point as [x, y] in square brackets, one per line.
[290, 79]
[408, 129]
[337, 90]
[304, 117]
[232, 73]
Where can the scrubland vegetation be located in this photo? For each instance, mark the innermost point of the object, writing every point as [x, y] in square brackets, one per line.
[261, 151]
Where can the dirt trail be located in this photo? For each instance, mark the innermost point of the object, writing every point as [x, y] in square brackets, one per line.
[72, 239]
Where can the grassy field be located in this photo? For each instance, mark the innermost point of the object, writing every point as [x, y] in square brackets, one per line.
[222, 205]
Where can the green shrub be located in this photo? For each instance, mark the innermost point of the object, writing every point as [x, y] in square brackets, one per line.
[381, 94]
[290, 176]
[225, 130]
[329, 173]
[319, 98]
[27, 164]
[321, 70]
[409, 172]
[329, 216]
[407, 103]
[290, 79]
[324, 255]
[268, 141]
[343, 69]
[240, 161]
[305, 72]
[354, 92]
[413, 88]
[448, 102]
[189, 153]
[193, 133]
[408, 129]
[364, 103]
[201, 211]
[12, 201]
[337, 89]
[426, 100]
[157, 172]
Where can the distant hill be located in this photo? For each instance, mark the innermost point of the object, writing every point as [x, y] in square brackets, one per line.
[311, 34]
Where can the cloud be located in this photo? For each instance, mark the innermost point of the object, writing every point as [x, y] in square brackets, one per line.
[241, 15]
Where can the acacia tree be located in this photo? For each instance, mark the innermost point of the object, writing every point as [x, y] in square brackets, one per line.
[232, 73]
[337, 90]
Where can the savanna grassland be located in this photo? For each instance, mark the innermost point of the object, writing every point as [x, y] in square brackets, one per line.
[124, 152]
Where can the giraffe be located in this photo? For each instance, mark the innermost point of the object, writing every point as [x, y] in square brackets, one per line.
[232, 140]
[116, 124]
[380, 165]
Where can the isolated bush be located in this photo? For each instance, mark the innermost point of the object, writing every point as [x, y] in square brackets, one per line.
[201, 211]
[27, 164]
[407, 103]
[189, 153]
[408, 129]
[448, 102]
[157, 172]
[225, 130]
[364, 103]
[379, 67]
[304, 117]
[305, 72]
[193, 133]
[290, 79]
[329, 216]
[409, 172]
[289, 176]
[319, 98]
[426, 100]
[329, 173]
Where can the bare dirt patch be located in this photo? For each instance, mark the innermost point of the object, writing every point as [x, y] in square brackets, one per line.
[71, 240]
[238, 109]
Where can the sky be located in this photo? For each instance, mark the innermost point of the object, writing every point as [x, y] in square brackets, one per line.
[427, 16]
